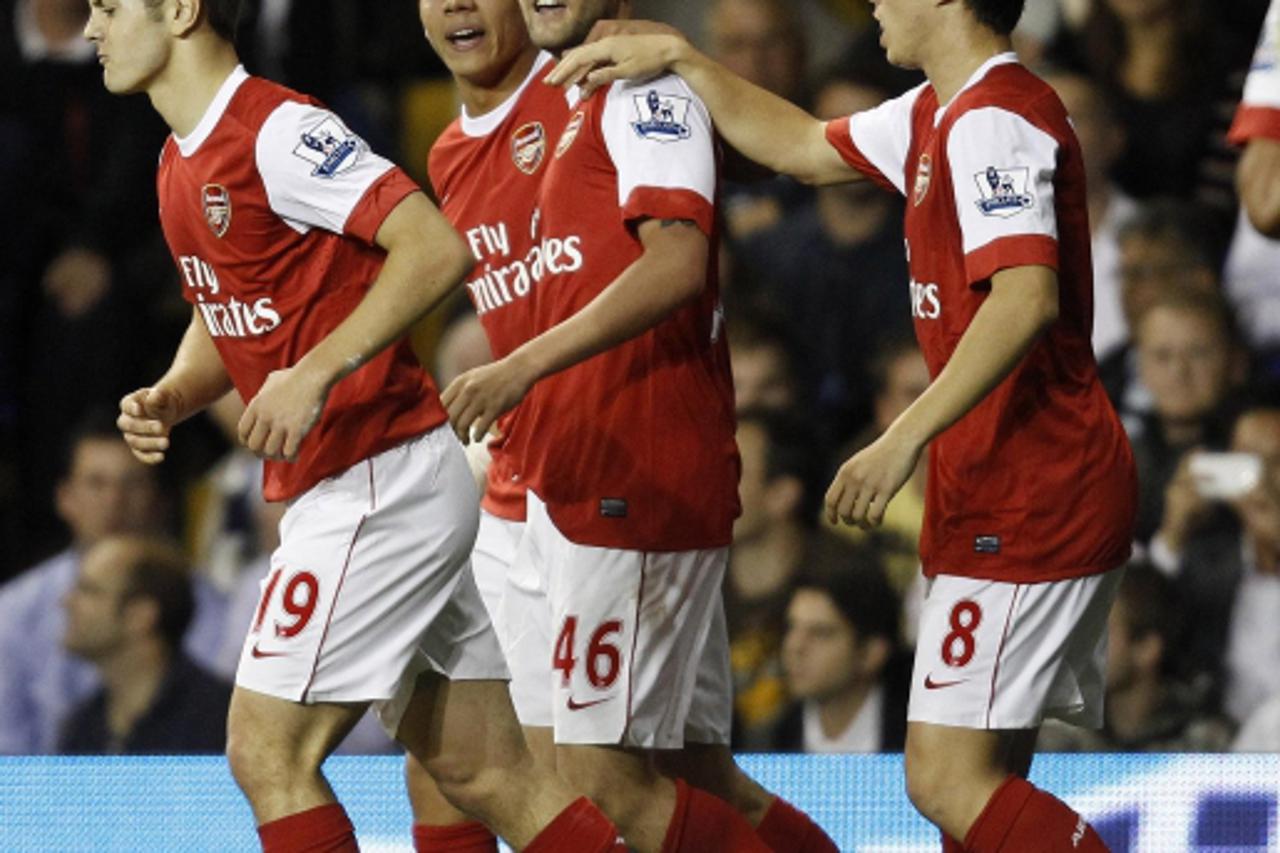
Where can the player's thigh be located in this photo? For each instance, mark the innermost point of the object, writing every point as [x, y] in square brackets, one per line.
[457, 727]
[495, 550]
[993, 655]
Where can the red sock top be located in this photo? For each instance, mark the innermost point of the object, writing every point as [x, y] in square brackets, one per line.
[469, 837]
[580, 827]
[785, 827]
[324, 829]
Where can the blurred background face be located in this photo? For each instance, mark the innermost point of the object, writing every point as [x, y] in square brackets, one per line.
[1258, 432]
[1149, 266]
[558, 25]
[95, 623]
[906, 379]
[1184, 361]
[760, 378]
[754, 39]
[1101, 137]
[838, 99]
[478, 40]
[820, 648]
[107, 491]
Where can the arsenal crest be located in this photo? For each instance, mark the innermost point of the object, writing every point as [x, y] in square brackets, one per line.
[570, 133]
[217, 208]
[923, 172]
[528, 146]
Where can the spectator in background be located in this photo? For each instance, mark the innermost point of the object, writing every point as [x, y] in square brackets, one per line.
[81, 255]
[764, 41]
[127, 615]
[1148, 708]
[1165, 245]
[773, 540]
[844, 665]
[1261, 731]
[1166, 65]
[1101, 141]
[1230, 574]
[834, 270]
[1190, 362]
[763, 364]
[103, 492]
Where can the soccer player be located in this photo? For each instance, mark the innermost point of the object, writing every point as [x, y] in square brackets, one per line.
[486, 169]
[612, 613]
[1257, 127]
[1031, 490]
[305, 257]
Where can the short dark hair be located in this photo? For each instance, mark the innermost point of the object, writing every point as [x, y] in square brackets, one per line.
[160, 572]
[999, 15]
[792, 449]
[1186, 225]
[861, 592]
[222, 15]
[97, 424]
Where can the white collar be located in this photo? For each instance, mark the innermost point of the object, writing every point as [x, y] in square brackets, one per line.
[191, 143]
[483, 125]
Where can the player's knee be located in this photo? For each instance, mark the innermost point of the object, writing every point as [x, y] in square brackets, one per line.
[465, 781]
[262, 764]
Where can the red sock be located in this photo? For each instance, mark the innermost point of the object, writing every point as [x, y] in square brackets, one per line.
[580, 827]
[785, 827]
[470, 837]
[324, 829]
[950, 845]
[1019, 817]
[704, 822]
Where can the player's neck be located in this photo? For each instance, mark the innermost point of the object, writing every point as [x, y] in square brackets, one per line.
[954, 58]
[183, 92]
[480, 99]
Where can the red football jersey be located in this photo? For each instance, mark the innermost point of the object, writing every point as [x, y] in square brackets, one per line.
[632, 448]
[270, 208]
[486, 171]
[1037, 482]
[1259, 111]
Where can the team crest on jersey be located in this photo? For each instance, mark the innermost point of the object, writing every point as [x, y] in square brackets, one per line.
[528, 146]
[1004, 192]
[924, 171]
[570, 134]
[330, 148]
[661, 117]
[216, 202]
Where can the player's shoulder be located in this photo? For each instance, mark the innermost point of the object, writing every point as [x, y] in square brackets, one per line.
[1013, 89]
[258, 99]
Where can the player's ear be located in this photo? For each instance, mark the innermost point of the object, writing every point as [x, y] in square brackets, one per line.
[184, 16]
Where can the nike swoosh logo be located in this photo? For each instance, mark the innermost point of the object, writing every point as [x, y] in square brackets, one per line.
[930, 684]
[258, 653]
[578, 706]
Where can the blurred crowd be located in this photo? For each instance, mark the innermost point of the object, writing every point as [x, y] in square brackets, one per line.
[125, 590]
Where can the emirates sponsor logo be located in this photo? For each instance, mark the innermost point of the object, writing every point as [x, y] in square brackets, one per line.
[225, 317]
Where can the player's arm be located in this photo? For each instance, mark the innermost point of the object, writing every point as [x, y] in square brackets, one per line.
[670, 271]
[1258, 182]
[766, 128]
[1022, 304]
[194, 380]
[425, 260]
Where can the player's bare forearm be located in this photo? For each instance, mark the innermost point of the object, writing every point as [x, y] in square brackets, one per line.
[1258, 181]
[1022, 304]
[194, 380]
[426, 260]
[671, 271]
[764, 127]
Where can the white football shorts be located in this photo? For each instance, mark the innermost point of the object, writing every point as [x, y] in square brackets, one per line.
[994, 655]
[617, 647]
[491, 559]
[371, 587]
